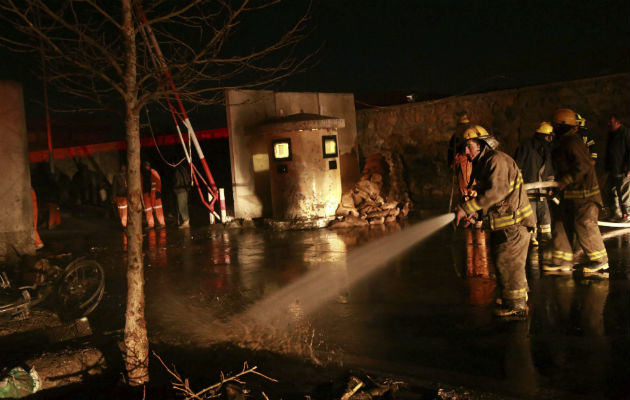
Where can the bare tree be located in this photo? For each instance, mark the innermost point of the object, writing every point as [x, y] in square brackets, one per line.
[95, 51]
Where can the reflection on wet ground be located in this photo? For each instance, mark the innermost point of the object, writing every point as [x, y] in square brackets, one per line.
[424, 314]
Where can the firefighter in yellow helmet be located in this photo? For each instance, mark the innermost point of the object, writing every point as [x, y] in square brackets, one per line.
[580, 199]
[534, 159]
[478, 261]
[506, 210]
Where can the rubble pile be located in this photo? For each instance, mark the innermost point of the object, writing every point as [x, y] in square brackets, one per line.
[364, 205]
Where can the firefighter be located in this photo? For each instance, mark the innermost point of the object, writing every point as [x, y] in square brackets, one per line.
[534, 159]
[618, 168]
[580, 199]
[506, 209]
[478, 262]
[457, 159]
[152, 195]
[588, 141]
[119, 194]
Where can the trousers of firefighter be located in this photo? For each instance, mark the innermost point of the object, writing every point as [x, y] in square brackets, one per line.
[152, 200]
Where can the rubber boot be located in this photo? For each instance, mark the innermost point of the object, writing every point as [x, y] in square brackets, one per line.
[512, 309]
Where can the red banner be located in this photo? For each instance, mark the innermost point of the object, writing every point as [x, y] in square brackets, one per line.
[82, 151]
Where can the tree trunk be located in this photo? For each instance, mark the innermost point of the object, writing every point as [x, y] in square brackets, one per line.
[136, 341]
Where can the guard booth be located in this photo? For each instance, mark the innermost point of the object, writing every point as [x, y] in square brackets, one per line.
[304, 169]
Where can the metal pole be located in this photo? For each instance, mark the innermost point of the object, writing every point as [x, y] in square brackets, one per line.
[211, 214]
[222, 205]
[184, 117]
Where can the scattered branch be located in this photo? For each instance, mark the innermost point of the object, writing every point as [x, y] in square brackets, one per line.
[182, 384]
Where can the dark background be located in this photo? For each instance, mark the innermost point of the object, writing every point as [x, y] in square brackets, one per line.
[381, 50]
[450, 47]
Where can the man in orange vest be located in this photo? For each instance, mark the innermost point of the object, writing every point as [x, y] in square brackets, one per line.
[152, 195]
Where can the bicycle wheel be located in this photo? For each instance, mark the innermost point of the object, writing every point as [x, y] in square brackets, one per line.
[81, 288]
[45, 288]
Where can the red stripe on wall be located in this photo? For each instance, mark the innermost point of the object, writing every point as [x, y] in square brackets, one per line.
[82, 151]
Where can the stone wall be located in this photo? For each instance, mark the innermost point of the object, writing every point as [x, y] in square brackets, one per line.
[419, 132]
[16, 212]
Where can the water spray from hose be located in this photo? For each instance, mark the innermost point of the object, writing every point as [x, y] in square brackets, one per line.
[328, 281]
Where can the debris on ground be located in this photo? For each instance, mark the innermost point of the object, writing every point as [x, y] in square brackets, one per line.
[364, 205]
[369, 388]
[231, 387]
[18, 383]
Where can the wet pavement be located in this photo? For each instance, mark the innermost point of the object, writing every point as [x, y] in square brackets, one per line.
[419, 317]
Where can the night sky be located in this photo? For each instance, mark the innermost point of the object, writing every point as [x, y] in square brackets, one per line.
[438, 48]
[449, 47]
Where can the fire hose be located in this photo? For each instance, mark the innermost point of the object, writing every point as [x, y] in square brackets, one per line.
[552, 184]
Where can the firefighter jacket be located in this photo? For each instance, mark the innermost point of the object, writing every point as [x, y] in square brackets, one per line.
[500, 193]
[573, 166]
[534, 159]
[618, 151]
[589, 142]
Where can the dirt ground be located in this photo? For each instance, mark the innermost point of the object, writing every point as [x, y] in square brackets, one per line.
[73, 362]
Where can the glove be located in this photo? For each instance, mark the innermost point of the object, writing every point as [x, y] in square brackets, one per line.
[158, 195]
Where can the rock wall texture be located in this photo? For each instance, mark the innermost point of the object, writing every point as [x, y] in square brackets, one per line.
[417, 134]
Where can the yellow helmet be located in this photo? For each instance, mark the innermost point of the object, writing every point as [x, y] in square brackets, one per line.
[463, 119]
[475, 132]
[545, 128]
[565, 116]
[479, 132]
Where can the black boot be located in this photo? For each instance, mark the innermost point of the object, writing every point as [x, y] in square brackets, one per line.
[512, 309]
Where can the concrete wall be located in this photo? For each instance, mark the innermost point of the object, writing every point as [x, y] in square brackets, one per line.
[16, 212]
[418, 133]
[248, 152]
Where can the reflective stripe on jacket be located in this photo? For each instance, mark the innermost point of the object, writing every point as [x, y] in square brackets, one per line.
[573, 165]
[500, 193]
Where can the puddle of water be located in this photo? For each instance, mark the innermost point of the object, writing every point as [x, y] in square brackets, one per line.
[320, 285]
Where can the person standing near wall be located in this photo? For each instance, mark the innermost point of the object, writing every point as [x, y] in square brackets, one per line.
[618, 168]
[48, 193]
[503, 201]
[181, 185]
[534, 159]
[457, 160]
[152, 195]
[38, 241]
[119, 194]
[580, 199]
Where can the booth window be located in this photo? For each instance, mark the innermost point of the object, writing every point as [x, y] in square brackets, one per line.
[281, 149]
[329, 146]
